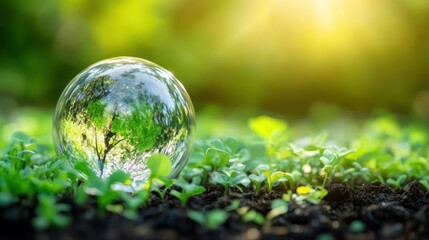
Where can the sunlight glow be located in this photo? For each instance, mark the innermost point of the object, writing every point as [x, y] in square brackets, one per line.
[316, 32]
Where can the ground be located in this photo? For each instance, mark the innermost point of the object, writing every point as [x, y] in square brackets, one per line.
[369, 211]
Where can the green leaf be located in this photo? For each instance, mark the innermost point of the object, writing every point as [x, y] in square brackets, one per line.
[215, 218]
[254, 216]
[159, 165]
[261, 167]
[231, 144]
[277, 176]
[118, 176]
[328, 157]
[211, 220]
[83, 168]
[22, 137]
[239, 178]
[196, 190]
[266, 127]
[196, 216]
[217, 157]
[278, 207]
[257, 178]
[218, 178]
[49, 213]
[328, 169]
[235, 204]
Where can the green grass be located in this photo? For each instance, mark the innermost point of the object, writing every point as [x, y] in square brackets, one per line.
[303, 157]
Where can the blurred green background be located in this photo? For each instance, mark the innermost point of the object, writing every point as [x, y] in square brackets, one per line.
[279, 56]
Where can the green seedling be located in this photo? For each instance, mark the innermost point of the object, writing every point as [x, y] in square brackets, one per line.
[101, 188]
[355, 172]
[254, 216]
[160, 167]
[211, 220]
[49, 213]
[382, 149]
[257, 181]
[330, 159]
[200, 172]
[272, 178]
[235, 204]
[231, 144]
[278, 207]
[397, 182]
[216, 158]
[230, 178]
[425, 182]
[166, 184]
[188, 190]
[133, 202]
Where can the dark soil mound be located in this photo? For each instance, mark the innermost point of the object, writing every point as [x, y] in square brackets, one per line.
[372, 211]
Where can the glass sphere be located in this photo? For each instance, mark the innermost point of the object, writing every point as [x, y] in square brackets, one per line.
[118, 112]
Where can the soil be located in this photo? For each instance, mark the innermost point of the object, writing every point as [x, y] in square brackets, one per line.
[371, 211]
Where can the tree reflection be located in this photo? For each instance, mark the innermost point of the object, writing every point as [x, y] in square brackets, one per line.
[118, 113]
[102, 131]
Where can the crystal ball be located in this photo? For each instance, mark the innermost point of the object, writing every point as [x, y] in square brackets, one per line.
[120, 111]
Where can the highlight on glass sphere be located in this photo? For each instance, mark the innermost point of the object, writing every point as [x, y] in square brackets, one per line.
[120, 111]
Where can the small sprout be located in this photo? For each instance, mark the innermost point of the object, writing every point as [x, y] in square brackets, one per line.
[278, 207]
[132, 203]
[219, 178]
[242, 210]
[230, 178]
[167, 184]
[211, 220]
[159, 165]
[352, 173]
[49, 213]
[329, 160]
[217, 158]
[235, 204]
[275, 177]
[254, 216]
[102, 188]
[231, 144]
[425, 183]
[398, 182]
[287, 197]
[188, 190]
[257, 181]
[115, 208]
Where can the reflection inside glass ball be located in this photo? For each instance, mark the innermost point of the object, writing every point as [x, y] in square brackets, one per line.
[120, 111]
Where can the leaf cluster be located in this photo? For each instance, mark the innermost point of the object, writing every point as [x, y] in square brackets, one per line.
[274, 158]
